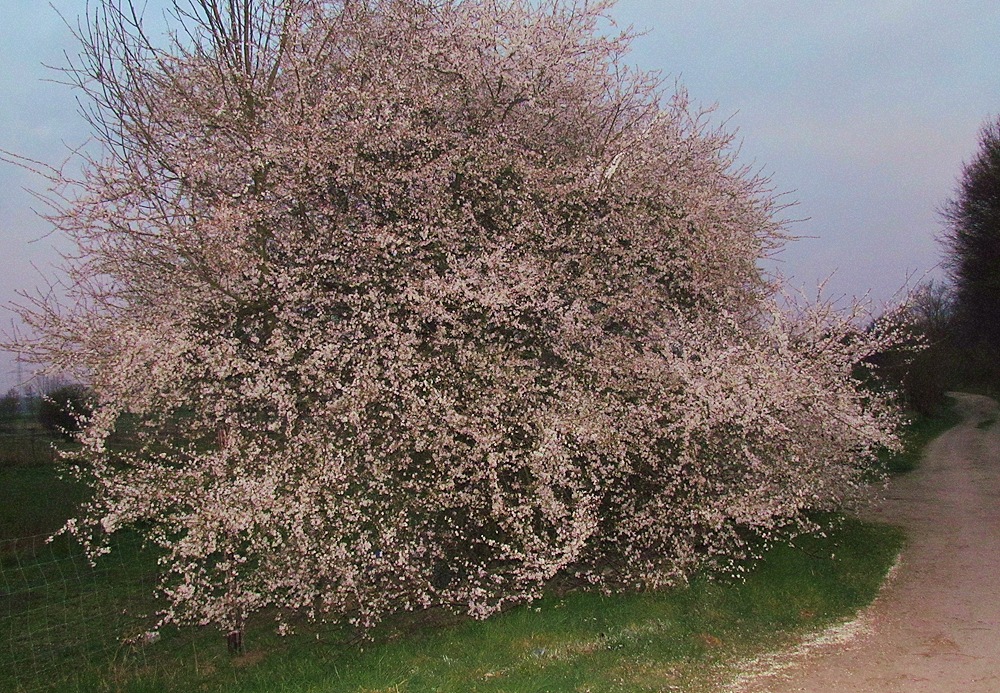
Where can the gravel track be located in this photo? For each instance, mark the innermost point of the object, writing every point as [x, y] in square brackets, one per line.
[936, 626]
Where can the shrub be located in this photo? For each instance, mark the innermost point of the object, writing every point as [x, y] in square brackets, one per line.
[62, 410]
[422, 304]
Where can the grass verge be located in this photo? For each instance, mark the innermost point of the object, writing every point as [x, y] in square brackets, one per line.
[920, 431]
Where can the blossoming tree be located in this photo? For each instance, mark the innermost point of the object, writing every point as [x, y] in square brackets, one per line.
[420, 303]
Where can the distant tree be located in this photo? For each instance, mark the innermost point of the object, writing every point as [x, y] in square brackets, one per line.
[64, 409]
[925, 363]
[10, 406]
[972, 244]
[422, 303]
[931, 309]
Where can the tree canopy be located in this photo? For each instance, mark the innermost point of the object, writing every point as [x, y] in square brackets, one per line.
[424, 302]
[972, 243]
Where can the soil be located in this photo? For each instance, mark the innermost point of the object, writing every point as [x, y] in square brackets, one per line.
[936, 625]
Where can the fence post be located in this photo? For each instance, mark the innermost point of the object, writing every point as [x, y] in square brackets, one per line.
[234, 639]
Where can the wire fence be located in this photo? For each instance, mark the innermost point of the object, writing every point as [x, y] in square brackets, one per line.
[25, 445]
[68, 625]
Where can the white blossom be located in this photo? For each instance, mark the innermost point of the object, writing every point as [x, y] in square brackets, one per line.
[404, 303]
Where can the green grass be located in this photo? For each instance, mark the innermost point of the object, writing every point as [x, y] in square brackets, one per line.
[584, 641]
[24, 442]
[986, 423]
[36, 500]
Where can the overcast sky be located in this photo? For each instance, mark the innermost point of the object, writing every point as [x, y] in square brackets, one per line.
[863, 111]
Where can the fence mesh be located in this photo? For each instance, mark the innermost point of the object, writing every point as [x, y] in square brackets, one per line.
[68, 625]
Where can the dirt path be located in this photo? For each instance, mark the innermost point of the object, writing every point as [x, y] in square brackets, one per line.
[936, 626]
